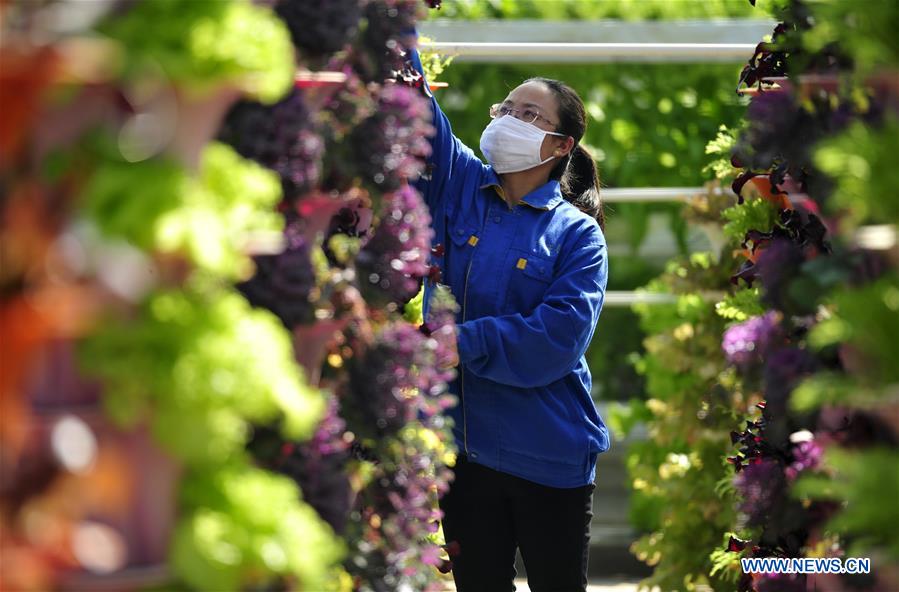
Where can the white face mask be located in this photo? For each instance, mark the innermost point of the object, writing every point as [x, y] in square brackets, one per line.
[511, 145]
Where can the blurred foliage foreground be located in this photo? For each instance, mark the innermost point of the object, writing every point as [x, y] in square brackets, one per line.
[208, 381]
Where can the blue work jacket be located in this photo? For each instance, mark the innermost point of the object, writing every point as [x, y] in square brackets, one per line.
[530, 282]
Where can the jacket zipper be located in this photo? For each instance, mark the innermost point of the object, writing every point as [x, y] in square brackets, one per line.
[461, 368]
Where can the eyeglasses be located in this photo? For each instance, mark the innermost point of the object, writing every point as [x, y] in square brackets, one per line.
[526, 115]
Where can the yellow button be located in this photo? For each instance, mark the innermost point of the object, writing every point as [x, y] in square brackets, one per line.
[522, 263]
[472, 240]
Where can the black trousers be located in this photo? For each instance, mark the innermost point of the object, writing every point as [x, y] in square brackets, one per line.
[490, 513]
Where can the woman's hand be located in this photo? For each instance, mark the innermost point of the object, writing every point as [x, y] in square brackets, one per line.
[449, 357]
[454, 358]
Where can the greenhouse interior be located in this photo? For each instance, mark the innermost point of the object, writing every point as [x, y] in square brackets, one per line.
[293, 299]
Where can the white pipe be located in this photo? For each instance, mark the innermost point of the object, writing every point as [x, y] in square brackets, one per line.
[628, 298]
[880, 237]
[594, 52]
[715, 30]
[651, 194]
[624, 298]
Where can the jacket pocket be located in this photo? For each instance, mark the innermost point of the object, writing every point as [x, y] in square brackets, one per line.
[462, 233]
[530, 275]
[462, 240]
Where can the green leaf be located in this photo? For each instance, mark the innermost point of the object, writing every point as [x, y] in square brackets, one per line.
[740, 305]
[201, 45]
[752, 214]
[199, 353]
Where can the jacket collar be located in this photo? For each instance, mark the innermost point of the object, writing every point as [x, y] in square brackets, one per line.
[545, 197]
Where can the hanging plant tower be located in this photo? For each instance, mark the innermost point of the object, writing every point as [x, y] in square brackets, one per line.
[214, 372]
[816, 463]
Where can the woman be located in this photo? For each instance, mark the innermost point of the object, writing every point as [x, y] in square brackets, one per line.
[525, 256]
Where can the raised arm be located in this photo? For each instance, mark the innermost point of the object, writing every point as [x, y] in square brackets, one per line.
[544, 346]
[450, 159]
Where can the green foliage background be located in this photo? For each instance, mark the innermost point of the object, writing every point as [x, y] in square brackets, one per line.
[648, 124]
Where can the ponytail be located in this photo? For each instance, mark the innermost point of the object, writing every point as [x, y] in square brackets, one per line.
[577, 171]
[580, 184]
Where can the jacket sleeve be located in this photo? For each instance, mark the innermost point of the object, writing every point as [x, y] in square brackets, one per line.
[450, 159]
[546, 345]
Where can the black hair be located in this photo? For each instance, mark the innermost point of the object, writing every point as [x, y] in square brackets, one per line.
[577, 171]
